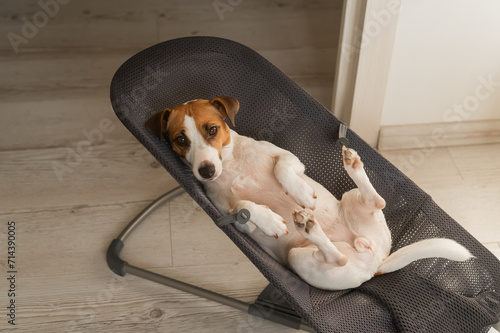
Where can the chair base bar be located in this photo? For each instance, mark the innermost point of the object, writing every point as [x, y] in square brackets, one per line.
[264, 307]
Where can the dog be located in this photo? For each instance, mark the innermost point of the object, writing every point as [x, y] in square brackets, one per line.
[333, 245]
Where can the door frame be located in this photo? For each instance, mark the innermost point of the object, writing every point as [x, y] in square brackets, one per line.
[367, 35]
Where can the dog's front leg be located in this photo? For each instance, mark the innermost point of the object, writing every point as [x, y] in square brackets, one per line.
[289, 171]
[263, 217]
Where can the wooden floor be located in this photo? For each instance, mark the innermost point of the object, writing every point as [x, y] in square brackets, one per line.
[71, 176]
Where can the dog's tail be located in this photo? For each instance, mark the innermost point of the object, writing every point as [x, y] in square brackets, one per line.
[427, 248]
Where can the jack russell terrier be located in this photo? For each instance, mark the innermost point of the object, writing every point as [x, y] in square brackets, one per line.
[334, 244]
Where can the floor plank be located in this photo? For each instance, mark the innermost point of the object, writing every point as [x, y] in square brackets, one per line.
[58, 74]
[190, 230]
[72, 239]
[111, 172]
[477, 162]
[56, 123]
[434, 166]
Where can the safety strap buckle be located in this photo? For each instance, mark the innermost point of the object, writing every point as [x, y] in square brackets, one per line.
[241, 217]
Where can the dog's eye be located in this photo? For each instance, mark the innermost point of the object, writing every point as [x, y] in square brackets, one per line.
[212, 131]
[181, 140]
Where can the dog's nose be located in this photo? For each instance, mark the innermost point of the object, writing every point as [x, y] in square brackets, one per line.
[207, 170]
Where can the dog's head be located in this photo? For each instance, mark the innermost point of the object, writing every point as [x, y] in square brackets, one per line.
[197, 132]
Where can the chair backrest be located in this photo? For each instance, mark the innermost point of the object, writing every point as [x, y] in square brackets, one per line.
[275, 109]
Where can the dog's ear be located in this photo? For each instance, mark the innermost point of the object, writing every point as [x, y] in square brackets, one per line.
[227, 106]
[157, 124]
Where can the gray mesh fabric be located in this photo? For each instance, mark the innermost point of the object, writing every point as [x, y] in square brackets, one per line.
[431, 295]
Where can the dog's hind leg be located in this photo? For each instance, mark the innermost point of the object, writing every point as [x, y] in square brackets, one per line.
[326, 251]
[368, 196]
[321, 264]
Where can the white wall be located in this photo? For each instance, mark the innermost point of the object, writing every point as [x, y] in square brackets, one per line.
[444, 52]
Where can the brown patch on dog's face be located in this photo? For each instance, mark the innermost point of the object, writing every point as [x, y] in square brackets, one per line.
[177, 133]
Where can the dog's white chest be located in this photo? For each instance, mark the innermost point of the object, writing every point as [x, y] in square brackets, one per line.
[248, 178]
[245, 183]
[249, 173]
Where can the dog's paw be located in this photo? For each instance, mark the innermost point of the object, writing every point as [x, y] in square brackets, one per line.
[308, 227]
[302, 193]
[351, 158]
[304, 221]
[269, 222]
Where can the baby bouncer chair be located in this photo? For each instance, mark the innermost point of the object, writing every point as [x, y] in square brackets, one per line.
[430, 295]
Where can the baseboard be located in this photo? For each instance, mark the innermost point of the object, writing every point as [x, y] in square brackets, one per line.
[439, 134]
